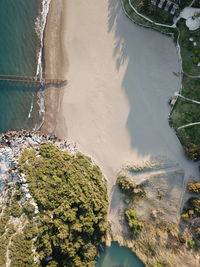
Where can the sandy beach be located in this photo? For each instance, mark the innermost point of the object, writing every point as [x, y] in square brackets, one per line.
[55, 65]
[119, 80]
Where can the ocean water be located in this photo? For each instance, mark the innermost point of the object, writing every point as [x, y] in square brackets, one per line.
[116, 256]
[21, 31]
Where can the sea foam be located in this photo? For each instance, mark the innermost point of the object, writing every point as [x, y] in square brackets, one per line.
[40, 24]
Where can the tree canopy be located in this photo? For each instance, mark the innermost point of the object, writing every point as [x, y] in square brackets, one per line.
[72, 201]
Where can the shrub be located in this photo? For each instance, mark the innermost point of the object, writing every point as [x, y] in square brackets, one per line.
[185, 217]
[192, 151]
[195, 60]
[194, 187]
[125, 183]
[158, 265]
[196, 51]
[29, 209]
[30, 231]
[52, 264]
[195, 202]
[16, 210]
[197, 232]
[4, 219]
[191, 243]
[18, 195]
[21, 251]
[133, 221]
[4, 240]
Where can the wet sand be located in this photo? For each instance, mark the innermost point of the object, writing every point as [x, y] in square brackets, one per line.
[120, 78]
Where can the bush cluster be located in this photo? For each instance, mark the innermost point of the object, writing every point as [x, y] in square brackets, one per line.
[192, 151]
[133, 221]
[194, 187]
[125, 183]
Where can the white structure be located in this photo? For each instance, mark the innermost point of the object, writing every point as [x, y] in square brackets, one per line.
[192, 17]
[154, 2]
[161, 3]
[168, 4]
[193, 23]
[173, 10]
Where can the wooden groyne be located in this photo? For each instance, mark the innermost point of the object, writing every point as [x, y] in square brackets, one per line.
[32, 81]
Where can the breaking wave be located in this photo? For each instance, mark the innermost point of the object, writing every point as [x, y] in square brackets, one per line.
[39, 27]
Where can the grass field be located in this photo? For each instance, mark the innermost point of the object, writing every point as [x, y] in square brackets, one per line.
[189, 52]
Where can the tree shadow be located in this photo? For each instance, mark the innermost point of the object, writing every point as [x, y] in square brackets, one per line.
[148, 82]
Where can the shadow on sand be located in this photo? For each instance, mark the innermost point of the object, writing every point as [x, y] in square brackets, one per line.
[148, 83]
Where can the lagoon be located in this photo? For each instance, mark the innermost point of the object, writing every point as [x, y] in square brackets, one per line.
[116, 256]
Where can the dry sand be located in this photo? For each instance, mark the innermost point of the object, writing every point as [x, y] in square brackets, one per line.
[120, 77]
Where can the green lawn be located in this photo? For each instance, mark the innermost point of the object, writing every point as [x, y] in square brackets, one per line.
[141, 21]
[191, 88]
[189, 135]
[153, 12]
[188, 50]
[185, 112]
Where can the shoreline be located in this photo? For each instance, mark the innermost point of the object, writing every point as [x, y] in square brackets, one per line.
[54, 65]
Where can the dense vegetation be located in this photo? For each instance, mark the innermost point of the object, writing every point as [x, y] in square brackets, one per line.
[15, 240]
[72, 201]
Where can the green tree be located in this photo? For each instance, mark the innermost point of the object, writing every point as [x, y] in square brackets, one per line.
[72, 201]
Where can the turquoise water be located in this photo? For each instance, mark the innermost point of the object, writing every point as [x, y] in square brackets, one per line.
[116, 256]
[19, 45]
